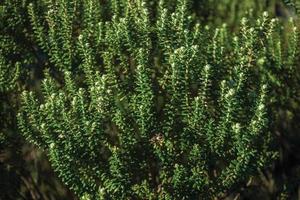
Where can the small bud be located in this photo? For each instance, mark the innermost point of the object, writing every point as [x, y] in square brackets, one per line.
[141, 107]
[264, 87]
[273, 20]
[236, 127]
[244, 21]
[92, 89]
[139, 67]
[81, 91]
[230, 93]
[73, 102]
[42, 106]
[97, 84]
[261, 61]
[295, 29]
[258, 21]
[195, 47]
[122, 20]
[104, 77]
[207, 68]
[67, 73]
[101, 190]
[52, 145]
[223, 83]
[50, 12]
[261, 107]
[43, 125]
[235, 39]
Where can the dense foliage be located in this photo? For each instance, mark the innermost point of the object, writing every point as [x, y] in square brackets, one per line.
[24, 171]
[151, 99]
[162, 109]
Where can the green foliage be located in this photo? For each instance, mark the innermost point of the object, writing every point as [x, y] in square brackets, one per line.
[9, 67]
[152, 105]
[24, 172]
[14, 56]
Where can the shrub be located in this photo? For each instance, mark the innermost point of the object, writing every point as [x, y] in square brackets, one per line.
[143, 102]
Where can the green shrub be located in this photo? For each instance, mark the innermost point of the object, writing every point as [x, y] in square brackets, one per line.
[143, 102]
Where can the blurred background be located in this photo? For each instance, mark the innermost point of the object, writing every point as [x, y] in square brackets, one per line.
[25, 172]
